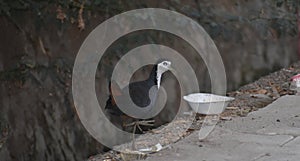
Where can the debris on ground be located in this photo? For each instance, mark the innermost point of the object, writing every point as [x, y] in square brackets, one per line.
[129, 155]
[295, 85]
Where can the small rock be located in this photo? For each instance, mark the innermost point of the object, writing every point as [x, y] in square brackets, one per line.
[232, 108]
[226, 118]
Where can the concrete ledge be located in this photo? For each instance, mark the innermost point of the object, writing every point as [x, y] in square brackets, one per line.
[269, 134]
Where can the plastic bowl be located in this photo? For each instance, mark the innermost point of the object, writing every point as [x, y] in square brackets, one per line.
[207, 104]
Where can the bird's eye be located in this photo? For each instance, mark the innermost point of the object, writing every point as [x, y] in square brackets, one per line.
[165, 63]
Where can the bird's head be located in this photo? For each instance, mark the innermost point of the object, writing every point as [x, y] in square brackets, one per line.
[163, 67]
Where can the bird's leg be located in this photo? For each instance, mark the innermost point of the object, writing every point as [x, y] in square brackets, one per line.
[137, 124]
[147, 123]
[142, 122]
[133, 138]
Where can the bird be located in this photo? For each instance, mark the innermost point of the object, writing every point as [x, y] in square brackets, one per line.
[138, 91]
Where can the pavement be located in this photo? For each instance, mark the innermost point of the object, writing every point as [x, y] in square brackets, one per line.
[269, 134]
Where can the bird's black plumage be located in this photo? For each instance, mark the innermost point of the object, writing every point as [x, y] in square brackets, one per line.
[138, 91]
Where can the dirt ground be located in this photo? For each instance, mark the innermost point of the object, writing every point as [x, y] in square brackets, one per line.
[248, 98]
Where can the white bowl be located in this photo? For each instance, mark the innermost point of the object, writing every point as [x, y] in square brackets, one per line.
[207, 104]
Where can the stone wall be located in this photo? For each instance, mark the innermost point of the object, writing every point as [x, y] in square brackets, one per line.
[37, 52]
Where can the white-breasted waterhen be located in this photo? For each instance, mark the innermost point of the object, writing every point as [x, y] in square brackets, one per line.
[139, 91]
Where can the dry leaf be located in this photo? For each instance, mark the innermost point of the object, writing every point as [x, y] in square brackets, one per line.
[60, 14]
[262, 91]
